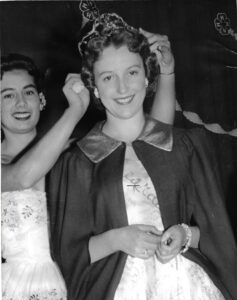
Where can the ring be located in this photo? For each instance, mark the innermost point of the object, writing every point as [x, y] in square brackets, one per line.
[78, 87]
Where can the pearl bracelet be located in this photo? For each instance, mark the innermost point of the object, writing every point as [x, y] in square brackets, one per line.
[188, 240]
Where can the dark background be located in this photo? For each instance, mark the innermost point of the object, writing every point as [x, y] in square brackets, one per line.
[206, 61]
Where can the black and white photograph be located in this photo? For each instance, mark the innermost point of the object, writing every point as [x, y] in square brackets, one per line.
[118, 150]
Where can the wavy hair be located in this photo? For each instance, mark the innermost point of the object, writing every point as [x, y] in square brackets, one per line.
[135, 42]
[16, 61]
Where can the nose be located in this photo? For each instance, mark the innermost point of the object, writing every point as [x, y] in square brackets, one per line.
[20, 100]
[122, 86]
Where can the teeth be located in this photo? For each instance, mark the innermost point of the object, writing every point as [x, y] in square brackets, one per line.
[21, 115]
[124, 100]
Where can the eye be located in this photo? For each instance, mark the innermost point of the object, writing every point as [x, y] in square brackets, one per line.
[30, 92]
[133, 72]
[9, 96]
[107, 78]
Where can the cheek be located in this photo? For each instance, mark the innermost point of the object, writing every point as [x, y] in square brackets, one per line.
[105, 90]
[137, 83]
[35, 106]
[5, 113]
[6, 107]
[35, 103]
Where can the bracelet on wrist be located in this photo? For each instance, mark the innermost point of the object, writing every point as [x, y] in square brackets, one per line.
[188, 239]
[167, 73]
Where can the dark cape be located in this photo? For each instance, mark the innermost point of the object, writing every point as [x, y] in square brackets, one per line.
[86, 198]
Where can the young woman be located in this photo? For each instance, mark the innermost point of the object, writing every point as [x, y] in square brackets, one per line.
[135, 208]
[29, 271]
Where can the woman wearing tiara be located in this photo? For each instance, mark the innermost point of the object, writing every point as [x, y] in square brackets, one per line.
[136, 208]
[29, 272]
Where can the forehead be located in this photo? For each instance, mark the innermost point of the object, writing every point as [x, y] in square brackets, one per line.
[112, 59]
[16, 78]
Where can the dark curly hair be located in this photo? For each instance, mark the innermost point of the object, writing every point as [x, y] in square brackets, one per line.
[16, 61]
[135, 42]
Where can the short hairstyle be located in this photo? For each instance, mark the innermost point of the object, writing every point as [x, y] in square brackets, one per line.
[136, 43]
[16, 61]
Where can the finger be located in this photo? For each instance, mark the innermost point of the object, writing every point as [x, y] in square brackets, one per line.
[147, 34]
[150, 246]
[166, 237]
[156, 36]
[150, 229]
[164, 252]
[151, 238]
[158, 56]
[157, 39]
[171, 239]
[77, 87]
[161, 46]
[164, 260]
[72, 76]
[146, 253]
[74, 82]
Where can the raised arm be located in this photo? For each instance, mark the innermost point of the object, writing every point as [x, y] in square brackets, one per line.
[163, 108]
[31, 167]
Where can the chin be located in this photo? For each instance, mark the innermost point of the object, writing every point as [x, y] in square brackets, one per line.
[129, 114]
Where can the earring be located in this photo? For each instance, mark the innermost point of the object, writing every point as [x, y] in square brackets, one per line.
[96, 93]
[42, 101]
[146, 82]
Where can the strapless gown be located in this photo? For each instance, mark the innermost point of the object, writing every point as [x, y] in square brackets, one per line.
[28, 271]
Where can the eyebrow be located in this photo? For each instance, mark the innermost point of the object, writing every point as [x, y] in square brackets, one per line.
[105, 72]
[25, 87]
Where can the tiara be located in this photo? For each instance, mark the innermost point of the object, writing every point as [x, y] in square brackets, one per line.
[89, 10]
[105, 25]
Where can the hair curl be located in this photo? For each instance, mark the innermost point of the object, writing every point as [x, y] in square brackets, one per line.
[15, 61]
[135, 42]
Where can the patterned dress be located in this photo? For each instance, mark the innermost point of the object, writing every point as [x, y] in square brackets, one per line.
[29, 272]
[179, 279]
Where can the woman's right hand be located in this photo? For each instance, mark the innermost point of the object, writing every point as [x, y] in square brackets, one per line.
[77, 94]
[138, 240]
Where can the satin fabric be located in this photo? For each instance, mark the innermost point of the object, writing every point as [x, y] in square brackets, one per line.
[86, 199]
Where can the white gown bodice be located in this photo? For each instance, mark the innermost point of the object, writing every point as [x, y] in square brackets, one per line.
[24, 225]
[29, 271]
[148, 279]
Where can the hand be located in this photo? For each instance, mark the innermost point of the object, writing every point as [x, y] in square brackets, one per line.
[77, 94]
[160, 45]
[171, 243]
[138, 240]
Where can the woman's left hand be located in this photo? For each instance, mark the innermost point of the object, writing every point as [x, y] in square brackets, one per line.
[160, 45]
[171, 243]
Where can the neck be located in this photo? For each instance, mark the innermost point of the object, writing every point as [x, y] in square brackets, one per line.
[126, 130]
[14, 143]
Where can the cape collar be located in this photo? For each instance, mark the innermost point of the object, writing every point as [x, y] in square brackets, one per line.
[96, 145]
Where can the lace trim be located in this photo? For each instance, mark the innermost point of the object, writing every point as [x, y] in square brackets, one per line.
[53, 294]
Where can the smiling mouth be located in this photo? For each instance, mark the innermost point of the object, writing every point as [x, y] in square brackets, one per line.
[22, 116]
[124, 100]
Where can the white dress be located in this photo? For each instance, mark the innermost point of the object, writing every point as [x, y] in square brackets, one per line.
[179, 279]
[29, 272]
